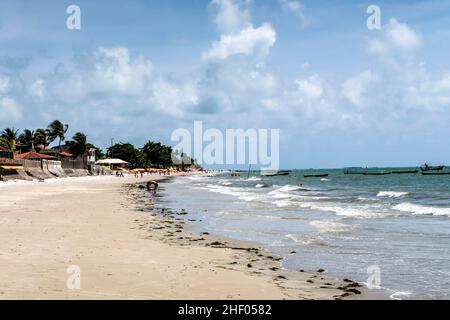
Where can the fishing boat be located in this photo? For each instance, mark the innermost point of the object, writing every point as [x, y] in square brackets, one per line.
[376, 173]
[405, 172]
[324, 175]
[427, 167]
[355, 170]
[435, 173]
[274, 173]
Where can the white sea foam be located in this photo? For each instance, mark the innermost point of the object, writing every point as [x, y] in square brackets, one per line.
[260, 185]
[283, 192]
[282, 203]
[330, 226]
[254, 179]
[422, 210]
[288, 188]
[363, 212]
[324, 179]
[306, 239]
[392, 194]
[237, 192]
[396, 295]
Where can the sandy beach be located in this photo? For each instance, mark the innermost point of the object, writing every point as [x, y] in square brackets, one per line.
[126, 251]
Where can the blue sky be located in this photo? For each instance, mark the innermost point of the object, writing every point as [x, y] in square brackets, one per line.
[342, 95]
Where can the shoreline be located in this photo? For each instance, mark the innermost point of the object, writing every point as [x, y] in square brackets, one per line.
[252, 258]
[126, 252]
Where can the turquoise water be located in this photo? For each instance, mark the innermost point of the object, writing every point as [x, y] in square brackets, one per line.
[342, 223]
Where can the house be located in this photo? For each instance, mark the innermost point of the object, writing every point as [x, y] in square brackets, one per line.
[114, 164]
[34, 156]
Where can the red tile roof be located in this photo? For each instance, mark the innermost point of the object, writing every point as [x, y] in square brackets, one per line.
[66, 154]
[33, 155]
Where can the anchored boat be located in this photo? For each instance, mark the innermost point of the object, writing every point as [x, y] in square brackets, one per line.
[405, 172]
[376, 173]
[324, 175]
[427, 167]
[274, 173]
[355, 170]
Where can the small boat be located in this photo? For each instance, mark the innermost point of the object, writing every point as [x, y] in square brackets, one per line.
[427, 167]
[324, 175]
[405, 171]
[274, 173]
[354, 170]
[435, 173]
[376, 173]
[235, 173]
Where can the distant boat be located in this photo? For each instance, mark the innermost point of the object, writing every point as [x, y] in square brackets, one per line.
[427, 167]
[405, 171]
[324, 175]
[355, 170]
[274, 173]
[435, 173]
[376, 173]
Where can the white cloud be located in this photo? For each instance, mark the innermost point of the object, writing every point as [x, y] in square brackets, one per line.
[396, 38]
[310, 87]
[5, 84]
[296, 8]
[232, 15]
[172, 99]
[10, 109]
[357, 88]
[114, 70]
[38, 88]
[248, 42]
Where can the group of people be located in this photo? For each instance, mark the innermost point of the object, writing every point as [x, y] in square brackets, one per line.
[119, 174]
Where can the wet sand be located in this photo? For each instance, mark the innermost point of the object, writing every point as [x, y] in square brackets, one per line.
[127, 250]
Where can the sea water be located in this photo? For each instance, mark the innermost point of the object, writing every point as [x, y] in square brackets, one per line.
[342, 223]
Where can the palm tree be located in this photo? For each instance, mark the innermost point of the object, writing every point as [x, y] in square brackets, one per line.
[10, 134]
[7, 145]
[8, 140]
[41, 138]
[79, 146]
[28, 138]
[57, 129]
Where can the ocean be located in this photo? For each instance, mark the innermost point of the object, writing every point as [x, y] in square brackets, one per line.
[346, 224]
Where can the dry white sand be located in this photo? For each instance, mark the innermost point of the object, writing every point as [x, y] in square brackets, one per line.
[89, 222]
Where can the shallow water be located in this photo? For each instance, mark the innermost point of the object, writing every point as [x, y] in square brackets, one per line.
[343, 223]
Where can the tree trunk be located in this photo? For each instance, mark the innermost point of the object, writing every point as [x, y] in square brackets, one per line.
[59, 149]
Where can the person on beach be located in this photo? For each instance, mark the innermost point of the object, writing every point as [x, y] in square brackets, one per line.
[152, 186]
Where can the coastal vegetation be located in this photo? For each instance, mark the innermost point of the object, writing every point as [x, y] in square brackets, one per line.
[152, 154]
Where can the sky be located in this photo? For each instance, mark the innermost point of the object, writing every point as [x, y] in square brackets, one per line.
[341, 94]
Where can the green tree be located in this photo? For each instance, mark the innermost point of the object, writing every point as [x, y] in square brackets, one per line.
[79, 145]
[42, 138]
[57, 130]
[10, 134]
[8, 140]
[127, 152]
[157, 154]
[28, 138]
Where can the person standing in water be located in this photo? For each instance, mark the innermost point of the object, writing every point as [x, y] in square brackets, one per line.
[152, 186]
